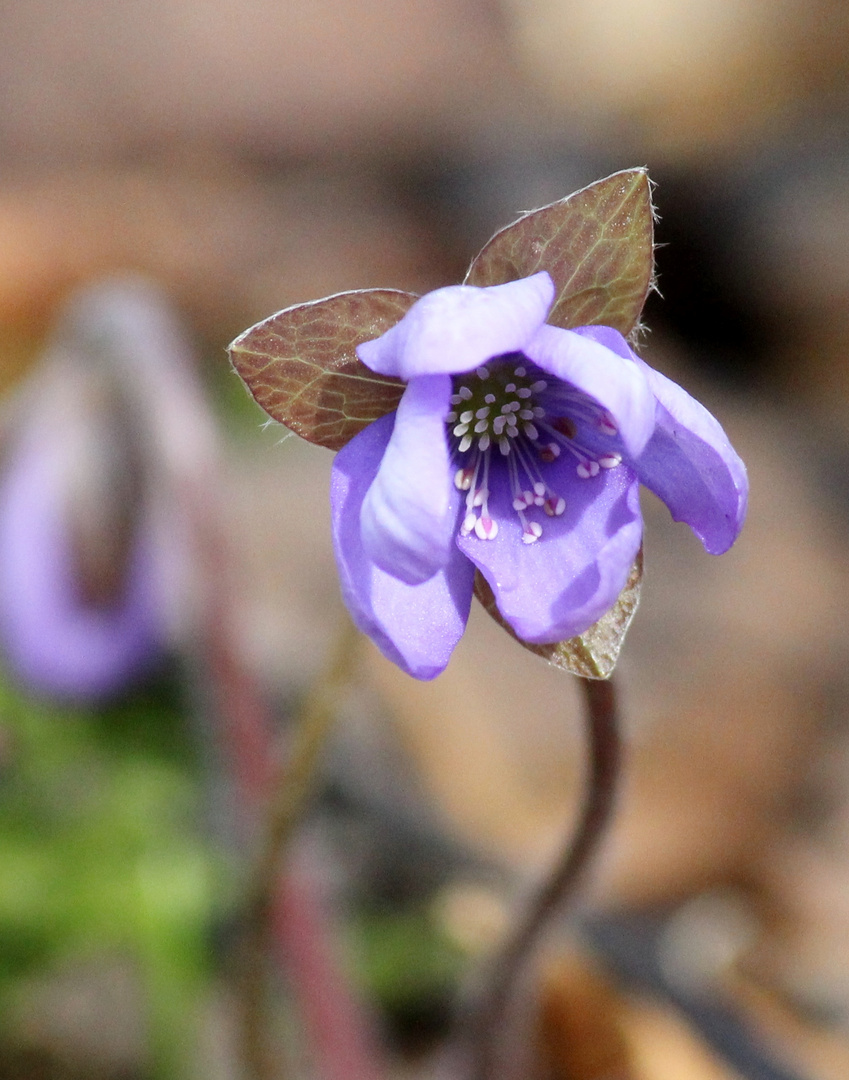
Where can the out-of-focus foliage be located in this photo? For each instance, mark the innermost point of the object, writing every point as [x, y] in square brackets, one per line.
[101, 855]
[406, 962]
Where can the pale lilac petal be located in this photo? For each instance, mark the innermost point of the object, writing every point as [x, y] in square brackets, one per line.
[415, 626]
[690, 464]
[617, 383]
[458, 328]
[610, 339]
[407, 518]
[556, 588]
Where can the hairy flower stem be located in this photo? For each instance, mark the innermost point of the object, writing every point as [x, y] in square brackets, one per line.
[488, 1021]
[288, 800]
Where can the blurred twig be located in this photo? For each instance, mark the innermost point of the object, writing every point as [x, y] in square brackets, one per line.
[289, 797]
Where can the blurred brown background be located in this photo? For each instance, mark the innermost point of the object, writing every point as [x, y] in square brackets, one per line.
[250, 155]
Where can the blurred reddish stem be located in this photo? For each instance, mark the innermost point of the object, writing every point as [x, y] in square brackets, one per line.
[285, 915]
[489, 1021]
[339, 1033]
[278, 912]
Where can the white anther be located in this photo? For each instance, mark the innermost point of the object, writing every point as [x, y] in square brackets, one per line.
[490, 399]
[587, 469]
[481, 495]
[504, 445]
[510, 388]
[460, 429]
[514, 406]
[482, 372]
[606, 424]
[467, 416]
[539, 488]
[520, 372]
[465, 393]
[469, 522]
[480, 426]
[526, 414]
[451, 417]
[610, 461]
[481, 413]
[463, 479]
[498, 424]
[555, 505]
[523, 392]
[483, 442]
[539, 386]
[532, 532]
[465, 443]
[455, 399]
[531, 431]
[486, 528]
[519, 503]
[539, 412]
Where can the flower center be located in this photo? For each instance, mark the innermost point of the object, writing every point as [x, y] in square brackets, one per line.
[512, 412]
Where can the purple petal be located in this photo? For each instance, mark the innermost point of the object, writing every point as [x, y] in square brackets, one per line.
[415, 626]
[556, 588]
[610, 339]
[407, 518]
[689, 462]
[617, 383]
[691, 465]
[458, 328]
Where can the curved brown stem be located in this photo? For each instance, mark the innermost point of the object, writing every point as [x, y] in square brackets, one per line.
[558, 889]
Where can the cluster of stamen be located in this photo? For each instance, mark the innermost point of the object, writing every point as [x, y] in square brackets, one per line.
[500, 407]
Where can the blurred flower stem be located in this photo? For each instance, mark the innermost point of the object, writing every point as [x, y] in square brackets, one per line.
[291, 791]
[489, 1020]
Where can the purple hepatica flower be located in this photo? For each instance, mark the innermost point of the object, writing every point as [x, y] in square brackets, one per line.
[517, 449]
[55, 643]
